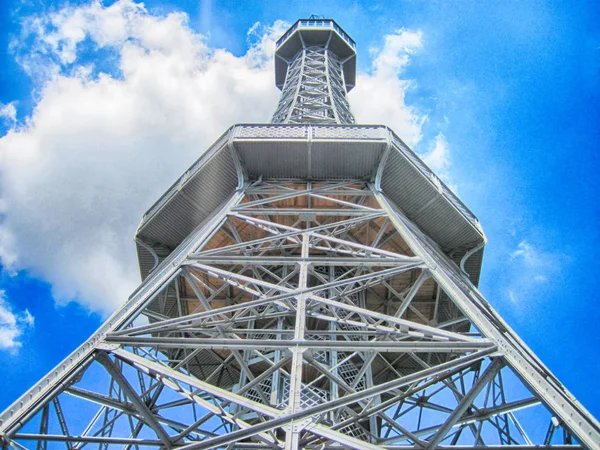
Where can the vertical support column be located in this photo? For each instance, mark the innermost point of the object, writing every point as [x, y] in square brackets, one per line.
[298, 86]
[276, 377]
[333, 362]
[368, 360]
[329, 89]
[292, 437]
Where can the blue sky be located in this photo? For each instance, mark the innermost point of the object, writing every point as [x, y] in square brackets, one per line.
[501, 98]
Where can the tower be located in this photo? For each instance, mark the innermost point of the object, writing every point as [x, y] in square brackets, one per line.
[308, 283]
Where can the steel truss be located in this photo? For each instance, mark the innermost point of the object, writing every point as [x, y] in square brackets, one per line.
[303, 315]
[314, 90]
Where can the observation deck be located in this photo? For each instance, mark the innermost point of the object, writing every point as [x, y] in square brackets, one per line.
[316, 32]
[248, 152]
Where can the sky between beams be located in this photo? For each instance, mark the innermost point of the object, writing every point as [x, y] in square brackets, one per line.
[103, 105]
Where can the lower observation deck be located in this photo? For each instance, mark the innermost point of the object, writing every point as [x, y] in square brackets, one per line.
[355, 263]
[299, 153]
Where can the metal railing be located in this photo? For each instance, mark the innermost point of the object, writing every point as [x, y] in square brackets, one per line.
[317, 23]
[428, 173]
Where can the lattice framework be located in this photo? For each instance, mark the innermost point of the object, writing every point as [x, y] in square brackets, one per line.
[314, 90]
[304, 317]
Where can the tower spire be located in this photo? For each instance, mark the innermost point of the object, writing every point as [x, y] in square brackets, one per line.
[315, 67]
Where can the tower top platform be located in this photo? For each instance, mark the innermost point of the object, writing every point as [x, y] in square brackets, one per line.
[314, 33]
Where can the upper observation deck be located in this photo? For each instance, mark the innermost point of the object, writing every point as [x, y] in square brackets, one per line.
[316, 32]
[315, 67]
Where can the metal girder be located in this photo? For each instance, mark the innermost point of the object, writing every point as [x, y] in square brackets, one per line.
[170, 377]
[135, 399]
[291, 260]
[294, 212]
[465, 403]
[264, 344]
[474, 306]
[314, 89]
[87, 439]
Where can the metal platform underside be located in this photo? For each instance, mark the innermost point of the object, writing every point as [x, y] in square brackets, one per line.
[310, 153]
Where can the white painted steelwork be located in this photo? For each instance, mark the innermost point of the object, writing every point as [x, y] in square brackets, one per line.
[314, 90]
[305, 286]
[317, 60]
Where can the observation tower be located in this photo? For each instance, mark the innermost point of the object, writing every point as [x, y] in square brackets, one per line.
[308, 283]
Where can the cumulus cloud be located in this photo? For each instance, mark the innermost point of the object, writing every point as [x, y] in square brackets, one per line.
[99, 148]
[127, 101]
[12, 324]
[380, 95]
[533, 258]
[438, 159]
[531, 263]
[8, 113]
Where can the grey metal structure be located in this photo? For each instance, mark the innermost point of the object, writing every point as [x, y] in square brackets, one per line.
[315, 67]
[306, 284]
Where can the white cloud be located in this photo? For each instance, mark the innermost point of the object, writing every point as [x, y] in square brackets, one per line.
[532, 267]
[438, 159]
[97, 151]
[12, 324]
[8, 113]
[99, 148]
[380, 96]
[532, 257]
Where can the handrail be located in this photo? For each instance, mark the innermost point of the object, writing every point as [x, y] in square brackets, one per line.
[317, 23]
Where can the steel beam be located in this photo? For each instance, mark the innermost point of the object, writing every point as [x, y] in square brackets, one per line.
[518, 356]
[267, 344]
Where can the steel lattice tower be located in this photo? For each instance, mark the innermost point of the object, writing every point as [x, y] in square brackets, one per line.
[308, 283]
